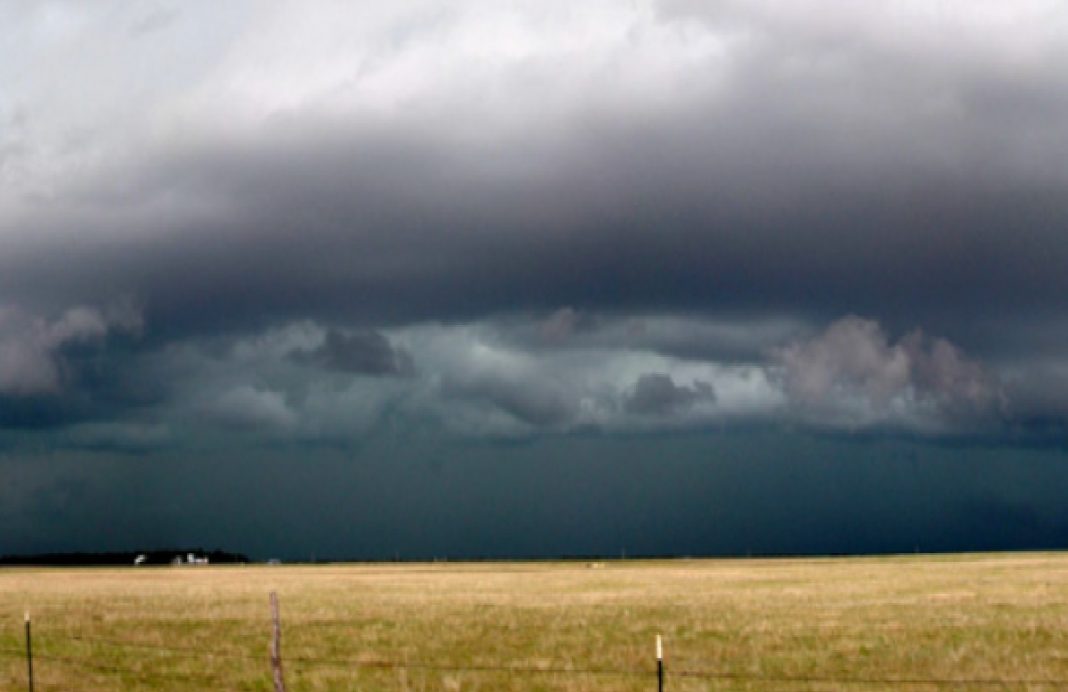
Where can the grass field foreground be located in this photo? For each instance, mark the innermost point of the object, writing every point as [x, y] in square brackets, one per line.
[999, 621]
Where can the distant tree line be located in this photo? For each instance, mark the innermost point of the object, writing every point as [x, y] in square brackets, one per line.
[150, 557]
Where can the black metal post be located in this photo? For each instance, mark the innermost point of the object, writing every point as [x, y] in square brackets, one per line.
[29, 653]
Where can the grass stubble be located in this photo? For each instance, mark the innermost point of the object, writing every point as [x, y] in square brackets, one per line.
[986, 621]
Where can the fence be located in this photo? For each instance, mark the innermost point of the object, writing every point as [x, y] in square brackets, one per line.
[657, 673]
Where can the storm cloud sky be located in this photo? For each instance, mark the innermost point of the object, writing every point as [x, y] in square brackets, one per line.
[293, 231]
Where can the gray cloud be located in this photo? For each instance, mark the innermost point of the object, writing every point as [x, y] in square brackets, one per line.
[714, 338]
[251, 407]
[153, 20]
[657, 394]
[561, 325]
[1037, 399]
[32, 348]
[362, 352]
[528, 401]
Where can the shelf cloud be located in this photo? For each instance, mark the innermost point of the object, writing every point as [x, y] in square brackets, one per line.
[308, 228]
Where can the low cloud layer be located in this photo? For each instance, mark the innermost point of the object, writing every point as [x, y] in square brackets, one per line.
[307, 383]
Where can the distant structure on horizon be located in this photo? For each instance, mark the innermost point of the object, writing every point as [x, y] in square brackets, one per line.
[143, 558]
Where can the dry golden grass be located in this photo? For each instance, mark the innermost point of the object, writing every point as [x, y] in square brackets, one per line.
[820, 624]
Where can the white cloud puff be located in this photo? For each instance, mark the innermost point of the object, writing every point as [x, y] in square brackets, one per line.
[853, 375]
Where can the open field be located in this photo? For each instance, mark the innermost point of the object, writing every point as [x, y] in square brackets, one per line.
[1000, 621]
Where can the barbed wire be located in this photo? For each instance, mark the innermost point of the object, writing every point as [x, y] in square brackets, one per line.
[172, 649]
[197, 652]
[302, 661]
[855, 680]
[110, 668]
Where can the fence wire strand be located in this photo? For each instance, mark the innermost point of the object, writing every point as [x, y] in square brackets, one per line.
[83, 663]
[305, 662]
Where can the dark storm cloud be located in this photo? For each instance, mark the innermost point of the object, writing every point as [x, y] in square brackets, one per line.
[657, 394]
[65, 368]
[706, 182]
[939, 249]
[811, 167]
[362, 352]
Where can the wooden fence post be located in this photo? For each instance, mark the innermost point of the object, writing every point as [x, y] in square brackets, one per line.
[29, 653]
[276, 646]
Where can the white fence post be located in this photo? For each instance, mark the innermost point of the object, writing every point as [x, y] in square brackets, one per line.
[659, 664]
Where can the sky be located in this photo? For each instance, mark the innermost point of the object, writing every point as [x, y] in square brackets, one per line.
[489, 279]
